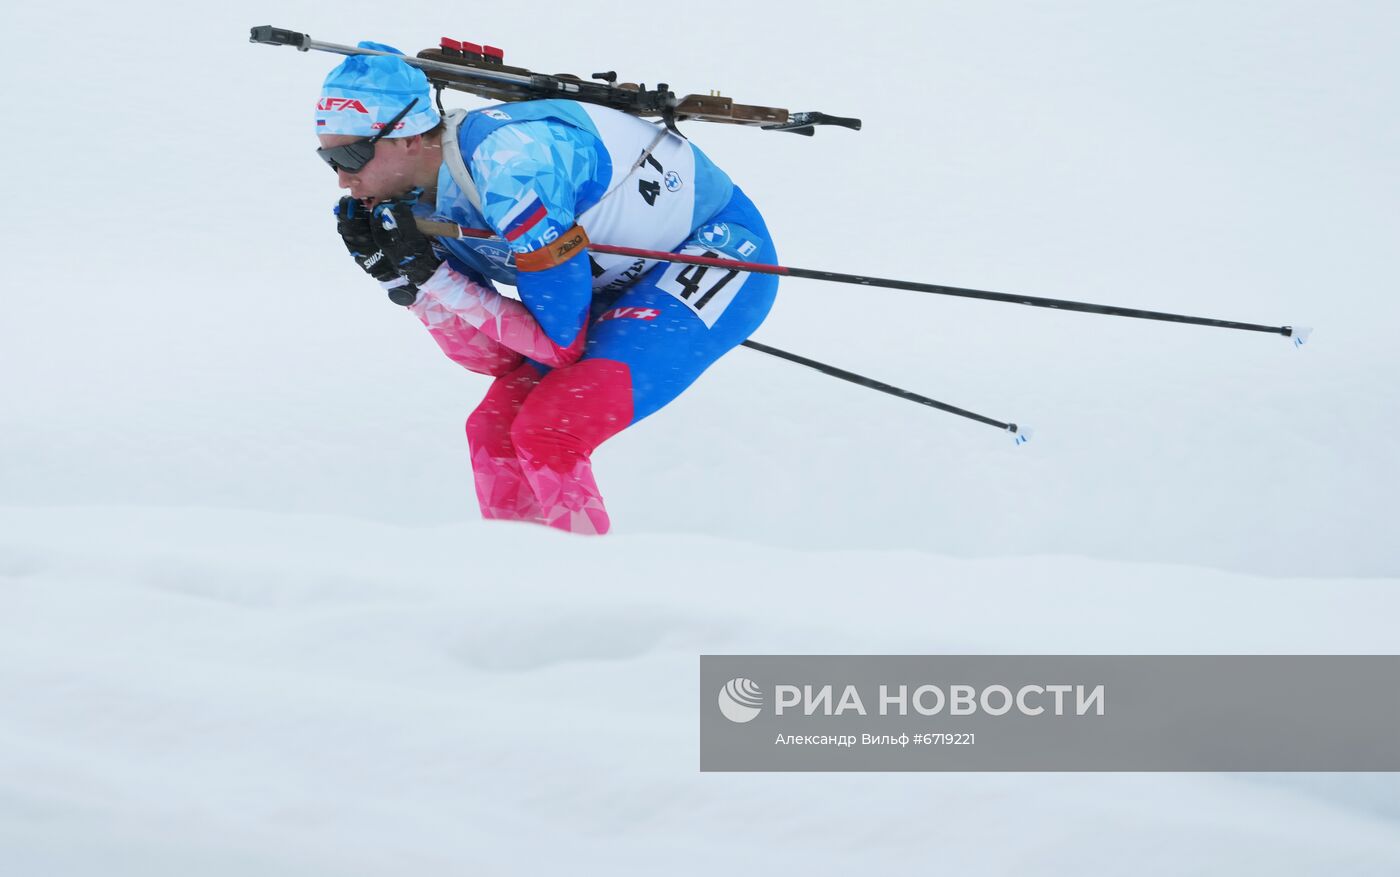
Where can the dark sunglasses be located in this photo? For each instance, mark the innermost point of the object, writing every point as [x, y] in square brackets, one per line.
[353, 156]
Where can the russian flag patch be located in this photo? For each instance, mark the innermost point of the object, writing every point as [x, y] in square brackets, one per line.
[525, 215]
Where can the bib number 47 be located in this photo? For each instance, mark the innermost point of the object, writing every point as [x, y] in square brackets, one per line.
[705, 289]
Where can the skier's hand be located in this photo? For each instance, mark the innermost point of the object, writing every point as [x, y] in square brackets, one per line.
[352, 220]
[405, 247]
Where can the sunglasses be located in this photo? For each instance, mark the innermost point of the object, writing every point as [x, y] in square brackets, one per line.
[353, 156]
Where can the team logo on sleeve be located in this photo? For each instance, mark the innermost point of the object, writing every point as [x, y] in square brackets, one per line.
[499, 255]
[629, 314]
[525, 215]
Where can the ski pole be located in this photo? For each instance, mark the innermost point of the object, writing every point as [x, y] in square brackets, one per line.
[1299, 334]
[1021, 434]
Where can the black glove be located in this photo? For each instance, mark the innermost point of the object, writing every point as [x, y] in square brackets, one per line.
[404, 246]
[352, 221]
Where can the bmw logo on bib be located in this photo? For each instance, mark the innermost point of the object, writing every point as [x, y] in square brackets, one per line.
[715, 235]
[673, 181]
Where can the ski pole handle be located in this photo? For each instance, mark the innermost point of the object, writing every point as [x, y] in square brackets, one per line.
[445, 229]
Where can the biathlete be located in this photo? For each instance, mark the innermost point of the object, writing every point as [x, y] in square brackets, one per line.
[595, 342]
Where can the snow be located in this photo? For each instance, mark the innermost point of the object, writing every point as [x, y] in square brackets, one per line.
[251, 622]
[219, 691]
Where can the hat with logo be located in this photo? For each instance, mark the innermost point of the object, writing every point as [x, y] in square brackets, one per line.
[366, 92]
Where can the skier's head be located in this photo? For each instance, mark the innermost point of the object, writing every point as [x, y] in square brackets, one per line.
[371, 110]
[367, 92]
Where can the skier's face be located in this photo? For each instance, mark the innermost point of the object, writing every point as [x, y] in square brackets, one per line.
[387, 175]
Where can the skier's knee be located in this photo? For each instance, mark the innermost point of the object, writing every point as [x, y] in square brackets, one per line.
[488, 427]
[572, 412]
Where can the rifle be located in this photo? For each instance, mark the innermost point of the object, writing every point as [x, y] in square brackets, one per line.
[481, 70]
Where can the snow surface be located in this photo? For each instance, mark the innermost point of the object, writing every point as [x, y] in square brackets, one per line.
[250, 623]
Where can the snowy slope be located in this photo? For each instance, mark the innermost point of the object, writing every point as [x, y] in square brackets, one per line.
[250, 622]
[226, 692]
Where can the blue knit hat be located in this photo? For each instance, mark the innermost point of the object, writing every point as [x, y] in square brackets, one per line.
[365, 92]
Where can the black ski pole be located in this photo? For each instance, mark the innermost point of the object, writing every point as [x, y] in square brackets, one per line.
[1020, 433]
[1299, 334]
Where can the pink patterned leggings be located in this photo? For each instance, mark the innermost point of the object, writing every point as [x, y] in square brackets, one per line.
[531, 439]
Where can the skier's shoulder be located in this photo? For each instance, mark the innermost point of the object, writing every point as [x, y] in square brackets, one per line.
[523, 133]
[609, 126]
[554, 111]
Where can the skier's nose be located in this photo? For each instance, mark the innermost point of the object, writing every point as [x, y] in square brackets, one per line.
[343, 177]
